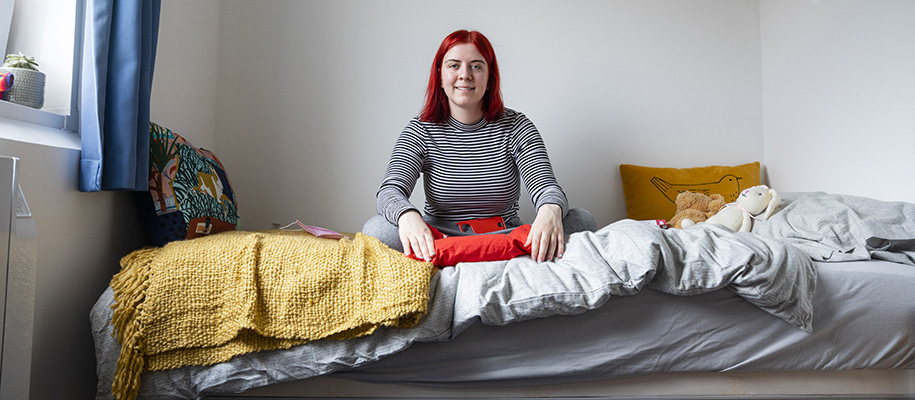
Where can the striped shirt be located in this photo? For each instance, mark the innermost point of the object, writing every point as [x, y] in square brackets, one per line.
[469, 171]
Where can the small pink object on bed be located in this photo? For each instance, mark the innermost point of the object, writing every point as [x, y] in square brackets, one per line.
[316, 230]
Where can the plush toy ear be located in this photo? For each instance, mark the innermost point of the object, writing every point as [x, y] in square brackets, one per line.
[773, 203]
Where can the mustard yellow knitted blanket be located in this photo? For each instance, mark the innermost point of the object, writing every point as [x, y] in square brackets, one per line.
[206, 300]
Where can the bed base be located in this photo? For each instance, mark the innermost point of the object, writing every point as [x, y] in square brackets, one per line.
[859, 384]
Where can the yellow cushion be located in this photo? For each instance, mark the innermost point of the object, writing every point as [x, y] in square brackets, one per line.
[651, 192]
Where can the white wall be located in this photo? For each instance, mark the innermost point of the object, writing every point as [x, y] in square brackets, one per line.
[185, 80]
[839, 96]
[313, 94]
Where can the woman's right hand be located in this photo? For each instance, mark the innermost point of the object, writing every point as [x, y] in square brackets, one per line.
[415, 235]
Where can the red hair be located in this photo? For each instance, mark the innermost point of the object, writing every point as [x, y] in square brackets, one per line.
[436, 108]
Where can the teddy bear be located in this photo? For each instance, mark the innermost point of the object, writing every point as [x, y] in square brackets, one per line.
[757, 202]
[696, 207]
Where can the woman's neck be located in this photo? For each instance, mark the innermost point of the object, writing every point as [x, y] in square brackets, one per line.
[468, 117]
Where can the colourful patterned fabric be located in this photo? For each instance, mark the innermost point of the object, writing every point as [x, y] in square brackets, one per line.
[189, 191]
[6, 81]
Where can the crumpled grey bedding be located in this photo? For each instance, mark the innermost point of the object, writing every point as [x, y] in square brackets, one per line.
[864, 319]
[831, 227]
[619, 260]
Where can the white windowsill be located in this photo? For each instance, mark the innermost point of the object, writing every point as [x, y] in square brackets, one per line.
[29, 125]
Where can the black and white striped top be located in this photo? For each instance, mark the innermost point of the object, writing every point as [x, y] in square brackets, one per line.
[469, 171]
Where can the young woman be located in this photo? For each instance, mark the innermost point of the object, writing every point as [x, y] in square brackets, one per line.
[473, 154]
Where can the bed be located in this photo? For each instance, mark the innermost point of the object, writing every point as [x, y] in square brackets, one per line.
[817, 301]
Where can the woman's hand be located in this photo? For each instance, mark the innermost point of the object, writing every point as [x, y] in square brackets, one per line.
[546, 239]
[415, 235]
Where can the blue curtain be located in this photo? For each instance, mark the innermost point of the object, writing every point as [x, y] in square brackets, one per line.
[118, 56]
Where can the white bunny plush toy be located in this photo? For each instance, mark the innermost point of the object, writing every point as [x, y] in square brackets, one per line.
[757, 202]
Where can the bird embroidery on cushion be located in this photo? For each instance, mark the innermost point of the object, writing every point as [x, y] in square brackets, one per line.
[210, 184]
[728, 186]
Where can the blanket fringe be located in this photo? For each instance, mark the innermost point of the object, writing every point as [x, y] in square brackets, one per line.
[129, 287]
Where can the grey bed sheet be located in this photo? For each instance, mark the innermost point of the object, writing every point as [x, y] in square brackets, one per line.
[628, 329]
[864, 318]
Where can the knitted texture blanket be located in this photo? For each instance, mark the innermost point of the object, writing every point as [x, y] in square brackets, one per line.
[204, 301]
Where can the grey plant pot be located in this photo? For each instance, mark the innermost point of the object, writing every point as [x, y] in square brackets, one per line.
[28, 87]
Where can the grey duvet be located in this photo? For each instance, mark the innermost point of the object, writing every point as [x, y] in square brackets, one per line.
[628, 299]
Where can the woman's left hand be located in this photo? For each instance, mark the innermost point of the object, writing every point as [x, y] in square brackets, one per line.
[546, 238]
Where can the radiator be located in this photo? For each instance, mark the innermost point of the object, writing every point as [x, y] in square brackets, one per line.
[18, 262]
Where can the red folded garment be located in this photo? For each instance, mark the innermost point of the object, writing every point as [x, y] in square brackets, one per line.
[490, 247]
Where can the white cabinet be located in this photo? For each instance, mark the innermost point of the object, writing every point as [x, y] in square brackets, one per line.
[18, 262]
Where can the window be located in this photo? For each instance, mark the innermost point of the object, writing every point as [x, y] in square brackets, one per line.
[6, 17]
[46, 30]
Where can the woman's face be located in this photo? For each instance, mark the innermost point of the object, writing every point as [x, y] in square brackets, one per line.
[465, 77]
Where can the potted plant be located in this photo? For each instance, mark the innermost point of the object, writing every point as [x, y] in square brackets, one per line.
[29, 82]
